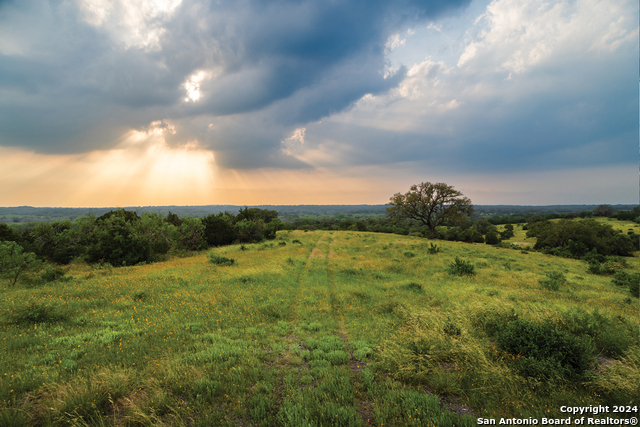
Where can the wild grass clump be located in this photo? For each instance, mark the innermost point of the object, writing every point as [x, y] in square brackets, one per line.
[220, 260]
[553, 281]
[542, 351]
[617, 382]
[362, 349]
[414, 287]
[409, 254]
[412, 408]
[451, 328]
[461, 267]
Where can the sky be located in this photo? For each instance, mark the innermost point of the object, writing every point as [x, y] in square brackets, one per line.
[286, 102]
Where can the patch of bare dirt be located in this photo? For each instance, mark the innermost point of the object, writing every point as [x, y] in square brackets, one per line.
[452, 403]
[355, 365]
[364, 408]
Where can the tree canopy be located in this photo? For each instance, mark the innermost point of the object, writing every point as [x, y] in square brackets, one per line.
[431, 204]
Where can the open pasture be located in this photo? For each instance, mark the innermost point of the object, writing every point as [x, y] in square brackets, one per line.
[314, 329]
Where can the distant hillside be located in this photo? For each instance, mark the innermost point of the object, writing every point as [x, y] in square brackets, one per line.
[22, 214]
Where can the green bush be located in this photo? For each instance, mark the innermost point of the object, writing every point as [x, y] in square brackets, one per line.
[492, 238]
[461, 267]
[611, 337]
[627, 280]
[51, 274]
[544, 352]
[606, 268]
[220, 260]
[433, 249]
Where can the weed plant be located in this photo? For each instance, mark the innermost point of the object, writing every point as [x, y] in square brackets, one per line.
[461, 267]
[220, 260]
[433, 249]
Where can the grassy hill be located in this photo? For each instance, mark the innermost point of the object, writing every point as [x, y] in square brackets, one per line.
[320, 328]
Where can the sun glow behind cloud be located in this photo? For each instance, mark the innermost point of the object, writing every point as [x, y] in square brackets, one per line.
[141, 170]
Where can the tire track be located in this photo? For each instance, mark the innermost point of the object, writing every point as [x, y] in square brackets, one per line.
[364, 406]
[283, 361]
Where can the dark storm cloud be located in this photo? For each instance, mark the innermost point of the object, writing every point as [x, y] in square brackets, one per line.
[68, 85]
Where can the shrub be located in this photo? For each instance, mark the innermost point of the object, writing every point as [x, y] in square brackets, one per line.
[611, 337]
[220, 260]
[507, 233]
[577, 238]
[471, 235]
[545, 352]
[553, 281]
[492, 238]
[409, 254]
[627, 280]
[607, 268]
[14, 261]
[51, 274]
[433, 249]
[461, 268]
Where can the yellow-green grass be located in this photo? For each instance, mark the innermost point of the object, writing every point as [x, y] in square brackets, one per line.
[622, 225]
[313, 328]
[519, 236]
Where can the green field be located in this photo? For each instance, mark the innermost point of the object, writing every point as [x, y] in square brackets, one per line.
[317, 329]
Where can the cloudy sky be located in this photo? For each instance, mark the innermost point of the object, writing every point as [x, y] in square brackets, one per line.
[163, 102]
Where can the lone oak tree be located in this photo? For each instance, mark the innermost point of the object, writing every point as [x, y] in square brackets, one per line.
[431, 204]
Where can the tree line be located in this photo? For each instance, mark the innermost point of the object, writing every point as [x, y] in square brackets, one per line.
[122, 237]
[438, 211]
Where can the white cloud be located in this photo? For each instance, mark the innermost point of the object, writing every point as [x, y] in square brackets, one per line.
[393, 42]
[520, 35]
[422, 79]
[133, 23]
[288, 145]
